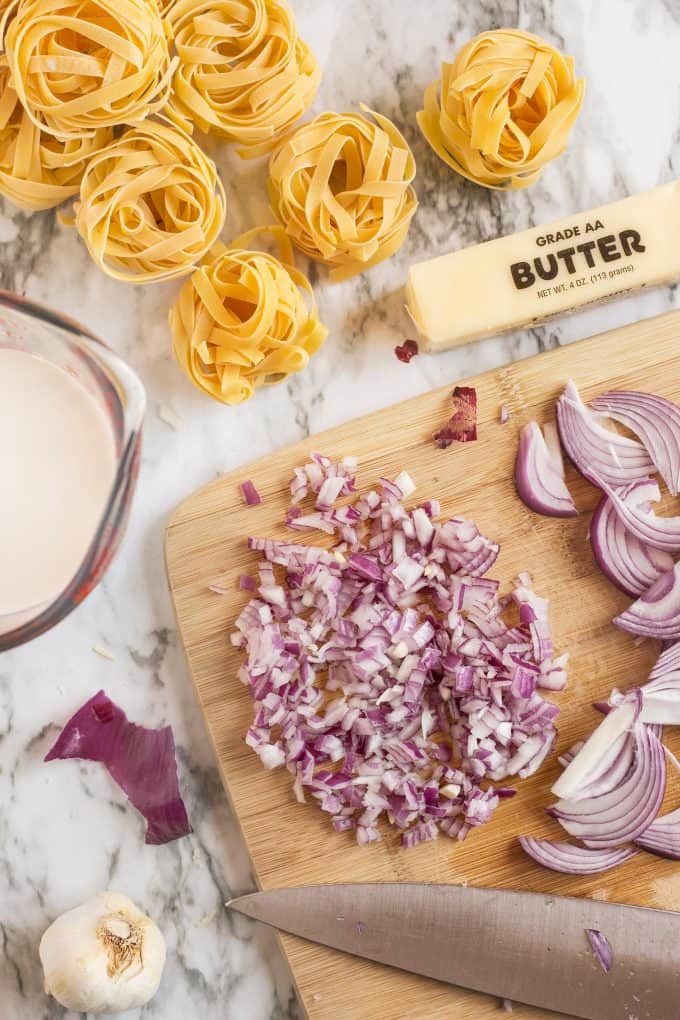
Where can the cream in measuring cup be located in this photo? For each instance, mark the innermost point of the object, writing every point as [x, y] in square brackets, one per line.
[58, 463]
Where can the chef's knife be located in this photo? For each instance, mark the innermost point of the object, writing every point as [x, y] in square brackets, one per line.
[521, 946]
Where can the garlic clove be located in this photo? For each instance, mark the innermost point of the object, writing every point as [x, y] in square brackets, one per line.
[104, 956]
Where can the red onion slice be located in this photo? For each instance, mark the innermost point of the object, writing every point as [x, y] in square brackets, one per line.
[623, 814]
[601, 455]
[626, 561]
[601, 947]
[596, 754]
[657, 423]
[632, 506]
[539, 476]
[571, 859]
[661, 693]
[662, 837]
[657, 612]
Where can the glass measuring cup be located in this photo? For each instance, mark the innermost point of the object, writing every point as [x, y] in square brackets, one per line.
[34, 329]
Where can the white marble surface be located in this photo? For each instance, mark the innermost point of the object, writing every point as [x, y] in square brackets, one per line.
[65, 830]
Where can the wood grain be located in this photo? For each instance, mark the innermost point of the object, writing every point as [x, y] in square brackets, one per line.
[293, 844]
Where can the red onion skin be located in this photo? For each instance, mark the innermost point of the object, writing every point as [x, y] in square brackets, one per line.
[406, 351]
[140, 760]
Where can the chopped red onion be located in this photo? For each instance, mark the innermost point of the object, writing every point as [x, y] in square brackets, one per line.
[406, 351]
[629, 564]
[657, 612]
[384, 675]
[504, 414]
[462, 425]
[655, 420]
[250, 494]
[571, 859]
[602, 456]
[539, 477]
[142, 762]
[328, 479]
[218, 589]
[601, 947]
[245, 583]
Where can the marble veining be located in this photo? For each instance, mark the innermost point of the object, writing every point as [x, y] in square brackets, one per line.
[65, 830]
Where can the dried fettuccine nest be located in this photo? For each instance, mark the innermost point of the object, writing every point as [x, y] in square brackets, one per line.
[503, 109]
[151, 204]
[245, 319]
[243, 74]
[79, 65]
[341, 187]
[37, 170]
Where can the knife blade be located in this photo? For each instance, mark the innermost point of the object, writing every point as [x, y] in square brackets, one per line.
[526, 947]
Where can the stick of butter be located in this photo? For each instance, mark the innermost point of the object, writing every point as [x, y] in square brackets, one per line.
[527, 277]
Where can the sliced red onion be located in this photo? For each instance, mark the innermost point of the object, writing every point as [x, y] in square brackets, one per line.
[462, 425]
[406, 351]
[142, 761]
[602, 456]
[657, 612]
[539, 478]
[601, 947]
[637, 516]
[419, 670]
[629, 564]
[250, 494]
[571, 859]
[621, 815]
[662, 837]
[661, 693]
[595, 757]
[568, 756]
[655, 420]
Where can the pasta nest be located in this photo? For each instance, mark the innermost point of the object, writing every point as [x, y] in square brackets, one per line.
[80, 65]
[503, 109]
[245, 319]
[243, 72]
[38, 171]
[341, 187]
[151, 204]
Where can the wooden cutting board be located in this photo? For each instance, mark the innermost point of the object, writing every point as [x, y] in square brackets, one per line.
[293, 844]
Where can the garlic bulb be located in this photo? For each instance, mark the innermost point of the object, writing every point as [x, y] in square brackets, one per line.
[104, 956]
